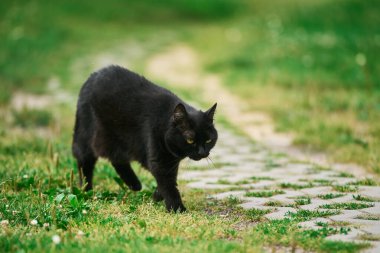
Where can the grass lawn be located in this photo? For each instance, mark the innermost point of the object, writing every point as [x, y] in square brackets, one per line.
[317, 60]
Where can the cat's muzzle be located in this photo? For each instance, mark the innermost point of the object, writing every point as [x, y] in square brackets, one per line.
[198, 156]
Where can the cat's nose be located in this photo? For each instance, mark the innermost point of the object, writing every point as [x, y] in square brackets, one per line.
[202, 152]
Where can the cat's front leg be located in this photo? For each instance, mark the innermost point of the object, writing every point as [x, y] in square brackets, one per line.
[167, 189]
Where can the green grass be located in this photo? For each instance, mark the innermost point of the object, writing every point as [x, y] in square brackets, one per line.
[319, 182]
[40, 49]
[344, 174]
[257, 214]
[261, 178]
[347, 206]
[274, 203]
[302, 201]
[109, 214]
[368, 217]
[264, 194]
[318, 77]
[32, 118]
[287, 233]
[322, 182]
[304, 215]
[345, 188]
[223, 181]
[330, 195]
[333, 229]
[363, 198]
[296, 186]
[214, 165]
[366, 181]
[335, 109]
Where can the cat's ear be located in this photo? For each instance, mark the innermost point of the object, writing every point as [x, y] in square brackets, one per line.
[180, 114]
[210, 112]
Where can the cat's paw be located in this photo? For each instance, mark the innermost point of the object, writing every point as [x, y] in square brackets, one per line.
[157, 197]
[175, 207]
[135, 186]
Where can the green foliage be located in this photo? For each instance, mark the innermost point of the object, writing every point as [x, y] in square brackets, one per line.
[366, 181]
[330, 195]
[308, 214]
[347, 206]
[296, 186]
[363, 198]
[344, 247]
[32, 118]
[264, 194]
[257, 214]
[32, 50]
[345, 188]
[302, 201]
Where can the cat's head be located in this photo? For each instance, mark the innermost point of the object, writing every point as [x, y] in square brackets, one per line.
[192, 133]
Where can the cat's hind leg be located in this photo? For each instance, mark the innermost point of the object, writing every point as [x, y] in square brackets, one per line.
[128, 175]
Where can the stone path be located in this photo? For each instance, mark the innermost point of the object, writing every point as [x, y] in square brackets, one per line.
[292, 181]
[266, 180]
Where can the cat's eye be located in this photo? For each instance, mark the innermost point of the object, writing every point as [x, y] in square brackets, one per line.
[208, 141]
[190, 141]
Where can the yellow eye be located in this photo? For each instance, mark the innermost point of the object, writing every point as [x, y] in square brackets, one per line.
[208, 141]
[190, 141]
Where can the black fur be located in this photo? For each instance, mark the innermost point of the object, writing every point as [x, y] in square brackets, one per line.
[122, 116]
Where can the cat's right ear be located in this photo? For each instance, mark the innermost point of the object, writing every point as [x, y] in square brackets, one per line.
[180, 116]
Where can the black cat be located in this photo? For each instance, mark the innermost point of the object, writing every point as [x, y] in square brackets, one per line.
[122, 116]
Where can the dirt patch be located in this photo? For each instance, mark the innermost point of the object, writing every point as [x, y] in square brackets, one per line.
[30, 101]
[176, 66]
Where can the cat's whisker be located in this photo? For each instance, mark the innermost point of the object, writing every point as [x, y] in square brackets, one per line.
[208, 163]
[212, 163]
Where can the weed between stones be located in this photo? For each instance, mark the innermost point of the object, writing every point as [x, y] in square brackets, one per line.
[264, 194]
[330, 195]
[347, 206]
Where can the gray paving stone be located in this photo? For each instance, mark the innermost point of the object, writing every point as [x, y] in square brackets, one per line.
[343, 199]
[224, 195]
[262, 184]
[311, 224]
[347, 215]
[245, 160]
[315, 204]
[315, 191]
[254, 203]
[372, 227]
[280, 213]
[370, 191]
[349, 237]
[374, 249]
[373, 210]
[203, 185]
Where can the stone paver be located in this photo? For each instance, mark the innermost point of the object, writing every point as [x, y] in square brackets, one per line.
[244, 167]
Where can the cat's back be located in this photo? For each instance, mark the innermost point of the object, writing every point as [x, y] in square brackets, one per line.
[113, 80]
[115, 92]
[115, 84]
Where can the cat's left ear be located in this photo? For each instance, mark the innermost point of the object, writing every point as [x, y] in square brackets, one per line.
[180, 115]
[210, 112]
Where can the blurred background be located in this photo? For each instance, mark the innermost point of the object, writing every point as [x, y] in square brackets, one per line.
[312, 65]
